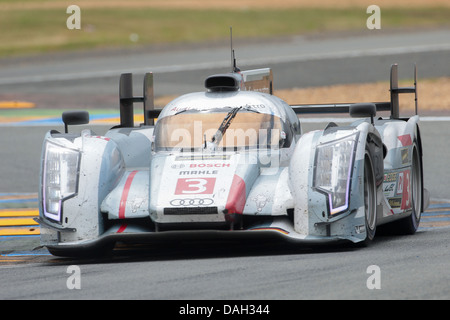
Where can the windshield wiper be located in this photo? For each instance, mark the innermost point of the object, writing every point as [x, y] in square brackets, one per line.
[217, 137]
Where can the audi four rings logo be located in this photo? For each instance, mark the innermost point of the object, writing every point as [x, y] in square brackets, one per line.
[191, 202]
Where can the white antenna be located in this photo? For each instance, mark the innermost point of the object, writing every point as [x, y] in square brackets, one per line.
[232, 50]
[234, 68]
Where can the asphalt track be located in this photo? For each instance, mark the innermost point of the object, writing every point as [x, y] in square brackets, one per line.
[86, 79]
[412, 267]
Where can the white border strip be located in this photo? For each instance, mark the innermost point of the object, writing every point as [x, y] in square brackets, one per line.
[54, 121]
[350, 120]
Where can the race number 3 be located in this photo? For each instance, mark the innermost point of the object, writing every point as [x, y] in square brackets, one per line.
[195, 186]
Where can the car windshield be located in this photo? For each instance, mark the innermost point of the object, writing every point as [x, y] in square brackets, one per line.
[191, 130]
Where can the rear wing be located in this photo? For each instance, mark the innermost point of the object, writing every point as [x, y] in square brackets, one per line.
[127, 100]
[392, 106]
[260, 80]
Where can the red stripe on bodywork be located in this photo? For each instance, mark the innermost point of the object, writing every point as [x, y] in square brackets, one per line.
[405, 140]
[122, 228]
[126, 190]
[236, 197]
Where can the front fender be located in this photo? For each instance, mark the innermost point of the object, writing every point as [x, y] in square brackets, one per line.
[99, 169]
[313, 214]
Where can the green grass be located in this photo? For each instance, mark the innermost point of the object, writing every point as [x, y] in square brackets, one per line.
[44, 30]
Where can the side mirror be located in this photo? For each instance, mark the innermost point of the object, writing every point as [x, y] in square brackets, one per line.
[74, 118]
[363, 110]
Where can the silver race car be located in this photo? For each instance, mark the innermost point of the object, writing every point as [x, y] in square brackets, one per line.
[231, 162]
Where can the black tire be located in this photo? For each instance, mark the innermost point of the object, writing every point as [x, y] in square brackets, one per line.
[410, 224]
[370, 199]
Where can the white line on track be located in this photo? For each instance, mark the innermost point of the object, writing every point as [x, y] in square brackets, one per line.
[224, 63]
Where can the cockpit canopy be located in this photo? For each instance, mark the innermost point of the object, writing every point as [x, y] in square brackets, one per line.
[193, 129]
[237, 120]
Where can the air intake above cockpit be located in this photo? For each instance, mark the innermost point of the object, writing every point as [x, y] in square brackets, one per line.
[223, 82]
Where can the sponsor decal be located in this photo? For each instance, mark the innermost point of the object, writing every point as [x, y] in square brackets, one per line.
[397, 188]
[395, 202]
[202, 157]
[390, 177]
[400, 183]
[197, 172]
[389, 189]
[406, 199]
[210, 165]
[196, 202]
[195, 186]
[405, 155]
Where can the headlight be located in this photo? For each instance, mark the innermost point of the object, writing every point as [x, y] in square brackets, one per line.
[60, 178]
[333, 167]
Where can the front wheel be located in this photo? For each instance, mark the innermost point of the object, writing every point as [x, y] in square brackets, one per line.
[370, 196]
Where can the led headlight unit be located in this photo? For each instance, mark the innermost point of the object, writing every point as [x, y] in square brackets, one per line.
[60, 178]
[333, 168]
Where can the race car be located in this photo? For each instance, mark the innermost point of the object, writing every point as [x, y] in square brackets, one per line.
[231, 162]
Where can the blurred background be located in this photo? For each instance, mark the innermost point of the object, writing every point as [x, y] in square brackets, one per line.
[44, 65]
[34, 26]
